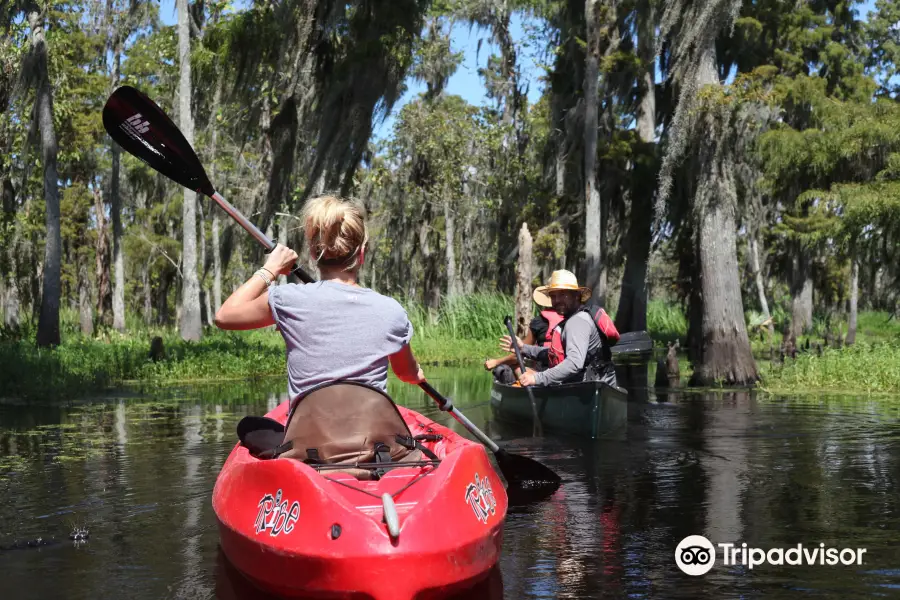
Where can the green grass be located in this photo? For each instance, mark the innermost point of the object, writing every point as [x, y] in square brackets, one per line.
[877, 326]
[666, 322]
[463, 332]
[861, 368]
[473, 317]
[81, 364]
[871, 327]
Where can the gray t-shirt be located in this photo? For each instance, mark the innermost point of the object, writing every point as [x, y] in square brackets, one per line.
[335, 331]
[579, 337]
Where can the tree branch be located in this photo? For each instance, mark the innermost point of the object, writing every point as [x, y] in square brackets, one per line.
[164, 253]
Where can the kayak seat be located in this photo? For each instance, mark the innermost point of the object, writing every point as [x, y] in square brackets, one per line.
[262, 436]
[349, 424]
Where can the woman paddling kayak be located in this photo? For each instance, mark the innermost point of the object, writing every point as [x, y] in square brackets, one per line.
[334, 329]
[349, 500]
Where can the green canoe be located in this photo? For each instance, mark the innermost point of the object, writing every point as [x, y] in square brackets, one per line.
[588, 409]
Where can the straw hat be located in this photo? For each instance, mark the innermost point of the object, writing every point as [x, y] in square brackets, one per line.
[561, 280]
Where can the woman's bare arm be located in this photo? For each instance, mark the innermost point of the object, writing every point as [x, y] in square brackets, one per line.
[248, 307]
[405, 366]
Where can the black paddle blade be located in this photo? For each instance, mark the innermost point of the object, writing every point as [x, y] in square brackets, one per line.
[633, 341]
[143, 130]
[527, 479]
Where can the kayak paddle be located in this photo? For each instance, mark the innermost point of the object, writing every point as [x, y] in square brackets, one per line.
[523, 474]
[143, 130]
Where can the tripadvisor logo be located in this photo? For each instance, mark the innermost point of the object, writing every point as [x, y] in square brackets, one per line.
[696, 555]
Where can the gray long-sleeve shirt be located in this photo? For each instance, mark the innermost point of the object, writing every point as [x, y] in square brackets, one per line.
[579, 337]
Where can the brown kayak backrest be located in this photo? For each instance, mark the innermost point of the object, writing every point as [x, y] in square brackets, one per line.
[341, 423]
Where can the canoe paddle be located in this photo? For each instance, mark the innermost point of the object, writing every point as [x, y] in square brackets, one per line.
[538, 428]
[143, 130]
[523, 475]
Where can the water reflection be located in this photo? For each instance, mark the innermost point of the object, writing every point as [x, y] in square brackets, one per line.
[138, 470]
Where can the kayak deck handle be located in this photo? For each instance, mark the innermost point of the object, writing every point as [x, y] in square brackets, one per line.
[390, 515]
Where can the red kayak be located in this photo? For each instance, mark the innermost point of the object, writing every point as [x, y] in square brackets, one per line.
[418, 523]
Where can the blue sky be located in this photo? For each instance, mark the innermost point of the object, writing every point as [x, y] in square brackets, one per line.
[466, 82]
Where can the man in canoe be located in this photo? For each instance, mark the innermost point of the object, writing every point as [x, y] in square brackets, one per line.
[579, 348]
[334, 329]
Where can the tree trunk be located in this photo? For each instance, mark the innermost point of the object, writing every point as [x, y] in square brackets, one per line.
[725, 348]
[523, 282]
[504, 40]
[115, 203]
[753, 249]
[205, 313]
[450, 235]
[148, 295]
[470, 258]
[101, 273]
[631, 314]
[48, 322]
[646, 117]
[190, 324]
[12, 302]
[217, 263]
[854, 299]
[118, 288]
[37, 267]
[216, 248]
[162, 297]
[283, 138]
[8, 280]
[86, 315]
[560, 168]
[801, 292]
[432, 291]
[874, 270]
[593, 230]
[725, 354]
[695, 302]
[506, 219]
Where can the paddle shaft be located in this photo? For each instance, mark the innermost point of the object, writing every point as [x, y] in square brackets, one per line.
[515, 344]
[463, 420]
[255, 232]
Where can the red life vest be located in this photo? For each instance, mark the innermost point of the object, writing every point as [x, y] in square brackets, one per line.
[553, 319]
[609, 335]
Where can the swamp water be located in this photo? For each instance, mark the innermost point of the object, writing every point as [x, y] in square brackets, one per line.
[137, 470]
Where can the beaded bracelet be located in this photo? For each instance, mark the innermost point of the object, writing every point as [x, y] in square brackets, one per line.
[262, 275]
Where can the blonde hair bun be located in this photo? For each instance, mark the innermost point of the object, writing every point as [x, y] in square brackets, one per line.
[335, 231]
